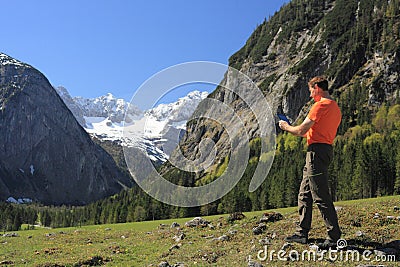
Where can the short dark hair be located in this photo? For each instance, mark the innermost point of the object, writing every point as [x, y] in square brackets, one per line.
[321, 81]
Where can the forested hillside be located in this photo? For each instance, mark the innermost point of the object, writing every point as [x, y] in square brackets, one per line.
[356, 45]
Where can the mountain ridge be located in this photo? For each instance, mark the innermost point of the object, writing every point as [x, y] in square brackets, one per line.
[45, 155]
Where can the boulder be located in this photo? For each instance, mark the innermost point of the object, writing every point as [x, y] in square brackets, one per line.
[175, 225]
[198, 221]
[236, 216]
[259, 229]
[271, 217]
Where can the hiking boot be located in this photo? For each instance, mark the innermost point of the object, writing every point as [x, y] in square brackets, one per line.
[297, 238]
[327, 244]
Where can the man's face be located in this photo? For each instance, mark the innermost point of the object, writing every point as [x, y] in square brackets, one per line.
[314, 92]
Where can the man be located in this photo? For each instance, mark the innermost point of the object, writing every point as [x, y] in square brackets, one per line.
[319, 127]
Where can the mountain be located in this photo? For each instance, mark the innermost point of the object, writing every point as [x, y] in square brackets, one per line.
[153, 130]
[355, 44]
[45, 155]
[106, 106]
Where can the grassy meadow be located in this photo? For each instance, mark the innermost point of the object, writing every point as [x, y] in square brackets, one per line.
[365, 224]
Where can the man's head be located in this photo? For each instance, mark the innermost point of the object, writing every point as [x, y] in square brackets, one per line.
[320, 81]
[318, 87]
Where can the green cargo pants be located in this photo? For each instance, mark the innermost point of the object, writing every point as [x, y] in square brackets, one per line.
[314, 188]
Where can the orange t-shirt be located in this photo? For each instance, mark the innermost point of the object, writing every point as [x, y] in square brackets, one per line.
[326, 116]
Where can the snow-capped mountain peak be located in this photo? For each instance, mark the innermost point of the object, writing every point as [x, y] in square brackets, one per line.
[7, 60]
[180, 110]
[154, 130]
[107, 106]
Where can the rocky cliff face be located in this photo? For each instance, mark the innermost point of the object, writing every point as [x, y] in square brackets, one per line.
[45, 155]
[343, 40]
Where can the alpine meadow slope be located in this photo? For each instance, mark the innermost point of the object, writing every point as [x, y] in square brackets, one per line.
[370, 225]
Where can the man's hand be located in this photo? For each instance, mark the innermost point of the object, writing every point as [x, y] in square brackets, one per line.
[283, 125]
[299, 130]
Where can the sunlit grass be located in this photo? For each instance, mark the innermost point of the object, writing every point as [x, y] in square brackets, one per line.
[146, 243]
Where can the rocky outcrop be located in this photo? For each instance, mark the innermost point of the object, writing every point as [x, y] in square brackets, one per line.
[45, 155]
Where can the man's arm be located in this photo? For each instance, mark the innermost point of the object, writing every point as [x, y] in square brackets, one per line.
[299, 130]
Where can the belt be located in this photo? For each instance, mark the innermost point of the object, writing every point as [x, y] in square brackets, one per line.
[312, 146]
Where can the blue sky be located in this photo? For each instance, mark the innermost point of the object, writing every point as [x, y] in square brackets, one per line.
[95, 47]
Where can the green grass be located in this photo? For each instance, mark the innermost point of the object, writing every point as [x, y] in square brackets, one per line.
[147, 244]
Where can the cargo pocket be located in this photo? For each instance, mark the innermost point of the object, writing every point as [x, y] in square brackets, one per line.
[309, 167]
